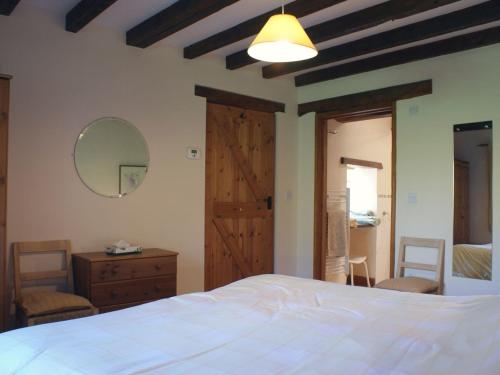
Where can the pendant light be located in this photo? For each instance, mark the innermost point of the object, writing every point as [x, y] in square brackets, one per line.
[282, 39]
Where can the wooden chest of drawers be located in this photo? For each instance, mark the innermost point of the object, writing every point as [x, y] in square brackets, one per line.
[116, 282]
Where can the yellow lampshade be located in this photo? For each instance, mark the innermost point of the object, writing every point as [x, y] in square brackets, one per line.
[282, 39]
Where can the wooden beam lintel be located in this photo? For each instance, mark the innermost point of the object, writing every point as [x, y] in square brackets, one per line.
[238, 100]
[379, 98]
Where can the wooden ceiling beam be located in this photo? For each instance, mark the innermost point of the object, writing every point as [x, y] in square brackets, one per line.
[178, 16]
[459, 20]
[422, 52]
[7, 6]
[299, 8]
[353, 22]
[84, 12]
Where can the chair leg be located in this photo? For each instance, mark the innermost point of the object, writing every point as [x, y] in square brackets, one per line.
[352, 274]
[367, 275]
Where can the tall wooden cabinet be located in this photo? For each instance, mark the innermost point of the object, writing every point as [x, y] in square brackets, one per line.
[461, 203]
[4, 136]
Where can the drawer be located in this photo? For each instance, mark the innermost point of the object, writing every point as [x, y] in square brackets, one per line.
[133, 291]
[127, 269]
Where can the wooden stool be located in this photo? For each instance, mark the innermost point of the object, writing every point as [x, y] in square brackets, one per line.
[359, 260]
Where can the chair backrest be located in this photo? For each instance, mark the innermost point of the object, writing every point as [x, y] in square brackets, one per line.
[422, 242]
[44, 247]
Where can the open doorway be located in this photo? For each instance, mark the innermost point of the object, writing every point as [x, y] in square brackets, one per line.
[358, 168]
[355, 187]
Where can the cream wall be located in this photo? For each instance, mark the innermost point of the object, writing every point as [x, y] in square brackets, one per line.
[466, 89]
[63, 81]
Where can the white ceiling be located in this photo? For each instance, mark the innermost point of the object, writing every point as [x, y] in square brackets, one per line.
[125, 14]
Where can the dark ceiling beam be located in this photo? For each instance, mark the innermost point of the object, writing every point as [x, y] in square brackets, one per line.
[351, 23]
[84, 12]
[459, 20]
[7, 6]
[298, 8]
[443, 47]
[178, 16]
[368, 100]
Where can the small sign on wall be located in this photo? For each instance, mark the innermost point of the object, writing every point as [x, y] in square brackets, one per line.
[193, 153]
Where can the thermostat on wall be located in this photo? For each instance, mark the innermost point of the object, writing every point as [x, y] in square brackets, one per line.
[193, 153]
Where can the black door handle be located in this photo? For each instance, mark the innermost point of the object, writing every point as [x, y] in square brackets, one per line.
[269, 202]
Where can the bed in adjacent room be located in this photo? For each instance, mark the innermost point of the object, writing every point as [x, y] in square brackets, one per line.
[472, 261]
[270, 324]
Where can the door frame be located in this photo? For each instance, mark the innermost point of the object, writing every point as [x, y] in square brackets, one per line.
[4, 295]
[245, 102]
[320, 180]
[353, 107]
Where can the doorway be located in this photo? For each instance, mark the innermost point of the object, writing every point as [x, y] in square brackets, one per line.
[355, 195]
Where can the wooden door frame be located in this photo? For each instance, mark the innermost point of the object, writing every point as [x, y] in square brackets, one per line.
[320, 185]
[353, 107]
[4, 300]
[245, 102]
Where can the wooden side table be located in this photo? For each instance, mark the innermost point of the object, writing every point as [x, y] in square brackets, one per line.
[113, 282]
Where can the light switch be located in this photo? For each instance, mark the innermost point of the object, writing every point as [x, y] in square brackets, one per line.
[412, 198]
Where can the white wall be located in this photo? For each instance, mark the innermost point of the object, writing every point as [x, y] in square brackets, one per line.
[466, 89]
[63, 81]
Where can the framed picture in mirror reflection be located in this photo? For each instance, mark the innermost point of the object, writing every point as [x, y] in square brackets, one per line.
[131, 176]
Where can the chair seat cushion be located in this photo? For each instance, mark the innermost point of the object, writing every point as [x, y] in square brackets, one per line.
[410, 284]
[42, 303]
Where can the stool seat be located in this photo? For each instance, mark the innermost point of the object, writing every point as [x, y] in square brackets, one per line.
[357, 260]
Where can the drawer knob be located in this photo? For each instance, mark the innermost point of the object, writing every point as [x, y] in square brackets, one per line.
[158, 267]
[114, 294]
[114, 270]
[157, 289]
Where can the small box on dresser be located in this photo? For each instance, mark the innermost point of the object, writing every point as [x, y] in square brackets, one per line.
[117, 282]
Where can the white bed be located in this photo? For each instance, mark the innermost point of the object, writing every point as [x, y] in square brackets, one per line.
[270, 324]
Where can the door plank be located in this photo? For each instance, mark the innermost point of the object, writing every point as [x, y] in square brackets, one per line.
[240, 210]
[227, 133]
[232, 245]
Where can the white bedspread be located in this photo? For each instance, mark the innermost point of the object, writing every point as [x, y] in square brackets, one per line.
[270, 324]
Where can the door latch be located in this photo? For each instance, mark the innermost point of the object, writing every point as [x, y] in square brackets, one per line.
[269, 202]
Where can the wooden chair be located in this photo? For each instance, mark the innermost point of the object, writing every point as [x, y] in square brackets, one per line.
[417, 284]
[37, 307]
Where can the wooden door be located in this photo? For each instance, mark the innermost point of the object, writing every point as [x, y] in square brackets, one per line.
[239, 193]
[4, 132]
[461, 203]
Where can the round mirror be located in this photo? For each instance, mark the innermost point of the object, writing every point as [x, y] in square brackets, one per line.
[111, 157]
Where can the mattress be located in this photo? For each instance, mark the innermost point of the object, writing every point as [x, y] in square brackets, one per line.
[472, 261]
[270, 324]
